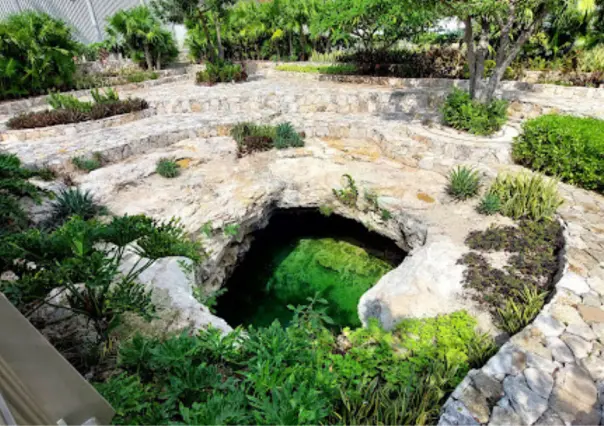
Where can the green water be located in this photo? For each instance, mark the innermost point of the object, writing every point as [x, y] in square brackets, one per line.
[290, 271]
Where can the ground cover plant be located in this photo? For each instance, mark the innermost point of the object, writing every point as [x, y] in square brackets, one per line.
[88, 164]
[570, 148]
[221, 72]
[167, 168]
[524, 195]
[68, 109]
[319, 69]
[516, 293]
[300, 374]
[252, 137]
[461, 112]
[464, 183]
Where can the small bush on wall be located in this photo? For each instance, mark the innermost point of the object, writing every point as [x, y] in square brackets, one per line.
[571, 148]
[221, 72]
[463, 113]
[252, 137]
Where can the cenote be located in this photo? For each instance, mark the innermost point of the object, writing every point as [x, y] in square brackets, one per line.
[299, 254]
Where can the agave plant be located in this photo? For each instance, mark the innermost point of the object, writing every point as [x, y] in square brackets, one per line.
[74, 202]
[490, 204]
[464, 183]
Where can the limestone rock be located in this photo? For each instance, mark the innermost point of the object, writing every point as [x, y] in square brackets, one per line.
[581, 330]
[539, 381]
[560, 351]
[550, 418]
[546, 365]
[424, 285]
[504, 416]
[508, 361]
[574, 394]
[594, 364]
[492, 389]
[455, 413]
[549, 326]
[527, 404]
[574, 282]
[591, 314]
[580, 347]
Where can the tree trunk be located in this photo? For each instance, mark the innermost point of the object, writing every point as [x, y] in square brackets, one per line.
[302, 43]
[148, 57]
[471, 55]
[291, 44]
[219, 38]
[204, 26]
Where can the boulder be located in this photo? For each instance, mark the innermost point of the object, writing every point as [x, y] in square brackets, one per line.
[427, 283]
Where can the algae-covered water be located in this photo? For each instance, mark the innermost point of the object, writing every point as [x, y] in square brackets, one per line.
[301, 254]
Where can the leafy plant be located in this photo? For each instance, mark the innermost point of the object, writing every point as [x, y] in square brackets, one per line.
[36, 55]
[167, 168]
[60, 101]
[208, 299]
[564, 146]
[88, 164]
[463, 113]
[349, 194]
[385, 214]
[169, 238]
[221, 72]
[326, 210]
[490, 204]
[252, 137]
[231, 230]
[527, 196]
[73, 202]
[521, 310]
[286, 136]
[464, 183]
[319, 69]
[207, 229]
[109, 96]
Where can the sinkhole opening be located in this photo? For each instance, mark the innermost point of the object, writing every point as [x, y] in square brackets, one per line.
[299, 254]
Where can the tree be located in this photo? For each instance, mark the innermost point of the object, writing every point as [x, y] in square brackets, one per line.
[375, 23]
[512, 21]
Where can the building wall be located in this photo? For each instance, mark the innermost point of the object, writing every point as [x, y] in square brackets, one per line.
[87, 17]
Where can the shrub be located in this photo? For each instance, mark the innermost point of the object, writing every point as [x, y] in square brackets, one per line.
[463, 113]
[60, 101]
[36, 55]
[73, 202]
[490, 204]
[464, 183]
[300, 374]
[349, 194]
[526, 195]
[287, 137]
[344, 69]
[221, 72]
[571, 148]
[252, 137]
[167, 168]
[56, 117]
[88, 164]
[518, 314]
[140, 76]
[109, 96]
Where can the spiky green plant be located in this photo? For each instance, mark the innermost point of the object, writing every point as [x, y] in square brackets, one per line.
[167, 168]
[349, 194]
[88, 164]
[490, 204]
[73, 202]
[526, 195]
[109, 95]
[520, 309]
[464, 183]
[287, 137]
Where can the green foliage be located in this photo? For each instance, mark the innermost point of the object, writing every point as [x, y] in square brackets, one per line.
[36, 55]
[252, 137]
[140, 34]
[169, 238]
[207, 229]
[326, 210]
[570, 148]
[294, 375]
[526, 195]
[60, 101]
[208, 298]
[385, 214]
[231, 230]
[109, 96]
[532, 263]
[73, 202]
[489, 204]
[521, 310]
[319, 69]
[349, 194]
[167, 168]
[287, 137]
[221, 72]
[464, 183]
[88, 164]
[463, 113]
[140, 76]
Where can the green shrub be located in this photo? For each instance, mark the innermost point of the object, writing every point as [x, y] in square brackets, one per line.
[570, 148]
[349, 194]
[60, 101]
[108, 96]
[319, 69]
[73, 202]
[519, 312]
[490, 204]
[252, 137]
[167, 168]
[300, 374]
[526, 195]
[221, 72]
[287, 137]
[464, 183]
[231, 230]
[140, 76]
[463, 113]
[88, 164]
[36, 55]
